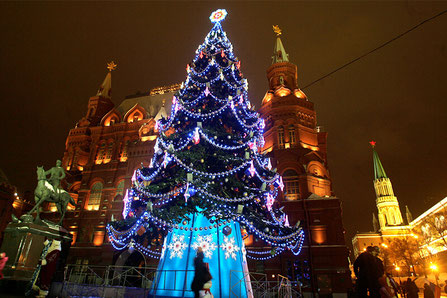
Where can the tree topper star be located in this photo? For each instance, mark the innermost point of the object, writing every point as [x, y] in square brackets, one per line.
[373, 144]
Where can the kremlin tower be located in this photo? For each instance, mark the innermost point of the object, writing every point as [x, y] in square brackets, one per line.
[297, 147]
[387, 204]
[389, 224]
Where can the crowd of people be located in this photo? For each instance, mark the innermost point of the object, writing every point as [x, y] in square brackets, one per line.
[374, 281]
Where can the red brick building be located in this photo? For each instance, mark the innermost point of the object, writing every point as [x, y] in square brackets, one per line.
[101, 153]
[298, 149]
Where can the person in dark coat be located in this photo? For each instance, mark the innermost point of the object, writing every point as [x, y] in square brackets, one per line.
[411, 289]
[367, 270]
[201, 273]
[428, 293]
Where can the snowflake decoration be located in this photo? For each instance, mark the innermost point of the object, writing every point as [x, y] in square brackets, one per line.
[218, 15]
[207, 245]
[177, 246]
[230, 248]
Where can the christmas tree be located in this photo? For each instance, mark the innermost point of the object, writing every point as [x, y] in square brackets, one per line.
[207, 179]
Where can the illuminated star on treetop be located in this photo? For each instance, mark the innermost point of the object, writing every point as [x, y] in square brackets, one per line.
[373, 144]
[218, 15]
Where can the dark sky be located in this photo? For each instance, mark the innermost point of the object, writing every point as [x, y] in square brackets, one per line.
[53, 57]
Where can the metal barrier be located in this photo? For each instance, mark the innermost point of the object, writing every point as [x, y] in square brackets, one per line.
[263, 288]
[120, 281]
[127, 281]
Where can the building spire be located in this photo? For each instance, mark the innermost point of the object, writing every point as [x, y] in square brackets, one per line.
[408, 214]
[386, 201]
[379, 171]
[279, 53]
[105, 89]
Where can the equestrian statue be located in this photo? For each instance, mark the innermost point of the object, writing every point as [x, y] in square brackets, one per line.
[50, 190]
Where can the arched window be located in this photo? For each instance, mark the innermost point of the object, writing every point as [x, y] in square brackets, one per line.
[123, 154]
[292, 138]
[95, 196]
[281, 137]
[291, 185]
[109, 151]
[137, 116]
[120, 189]
[101, 154]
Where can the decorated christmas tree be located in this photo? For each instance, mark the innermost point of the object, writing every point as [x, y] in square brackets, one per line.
[207, 183]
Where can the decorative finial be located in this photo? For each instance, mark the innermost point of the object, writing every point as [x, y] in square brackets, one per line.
[277, 30]
[373, 144]
[218, 16]
[111, 66]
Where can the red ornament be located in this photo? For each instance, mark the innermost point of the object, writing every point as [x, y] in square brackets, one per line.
[201, 54]
[222, 53]
[238, 64]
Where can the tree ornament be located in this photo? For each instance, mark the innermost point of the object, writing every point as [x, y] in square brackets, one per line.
[226, 230]
[207, 91]
[196, 136]
[252, 169]
[206, 243]
[229, 247]
[189, 177]
[177, 246]
[269, 165]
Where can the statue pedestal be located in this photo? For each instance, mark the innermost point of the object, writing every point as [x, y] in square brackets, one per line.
[23, 244]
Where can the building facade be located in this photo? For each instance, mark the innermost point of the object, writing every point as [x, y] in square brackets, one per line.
[298, 149]
[101, 154]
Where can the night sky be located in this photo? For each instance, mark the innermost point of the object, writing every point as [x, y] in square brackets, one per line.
[53, 58]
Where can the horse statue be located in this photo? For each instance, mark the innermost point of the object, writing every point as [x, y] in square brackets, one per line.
[45, 192]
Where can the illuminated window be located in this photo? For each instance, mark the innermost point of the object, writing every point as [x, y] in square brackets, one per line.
[281, 137]
[291, 185]
[95, 196]
[292, 138]
[123, 155]
[120, 189]
[100, 156]
[109, 151]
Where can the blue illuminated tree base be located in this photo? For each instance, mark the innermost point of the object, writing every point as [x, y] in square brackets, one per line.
[225, 254]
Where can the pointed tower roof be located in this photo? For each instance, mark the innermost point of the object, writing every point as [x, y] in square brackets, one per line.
[379, 171]
[279, 53]
[161, 113]
[106, 87]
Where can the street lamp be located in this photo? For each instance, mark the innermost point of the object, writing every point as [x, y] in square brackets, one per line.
[434, 268]
[397, 268]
